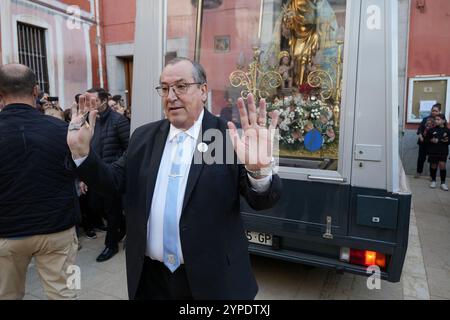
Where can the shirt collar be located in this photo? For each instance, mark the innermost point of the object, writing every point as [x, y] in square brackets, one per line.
[21, 106]
[192, 132]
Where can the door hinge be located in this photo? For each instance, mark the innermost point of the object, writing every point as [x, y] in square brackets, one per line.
[327, 234]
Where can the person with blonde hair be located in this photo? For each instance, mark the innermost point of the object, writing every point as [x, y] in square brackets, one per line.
[55, 113]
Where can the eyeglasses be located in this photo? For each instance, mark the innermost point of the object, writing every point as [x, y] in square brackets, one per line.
[179, 88]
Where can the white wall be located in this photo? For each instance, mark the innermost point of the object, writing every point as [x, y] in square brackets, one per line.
[55, 22]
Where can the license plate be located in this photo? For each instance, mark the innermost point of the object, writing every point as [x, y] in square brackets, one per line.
[259, 238]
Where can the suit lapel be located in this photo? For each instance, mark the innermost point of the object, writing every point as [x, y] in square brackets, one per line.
[209, 122]
[155, 160]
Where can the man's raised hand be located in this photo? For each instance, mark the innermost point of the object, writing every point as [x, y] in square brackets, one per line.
[80, 131]
[255, 147]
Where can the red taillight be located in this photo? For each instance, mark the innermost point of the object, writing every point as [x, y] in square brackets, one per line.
[381, 260]
[370, 258]
[364, 257]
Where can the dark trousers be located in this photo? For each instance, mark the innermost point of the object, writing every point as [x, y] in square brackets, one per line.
[158, 283]
[90, 218]
[111, 210]
[422, 157]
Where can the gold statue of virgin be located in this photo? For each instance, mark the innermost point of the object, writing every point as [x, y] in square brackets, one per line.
[300, 26]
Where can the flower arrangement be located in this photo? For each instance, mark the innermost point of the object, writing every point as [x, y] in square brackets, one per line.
[299, 116]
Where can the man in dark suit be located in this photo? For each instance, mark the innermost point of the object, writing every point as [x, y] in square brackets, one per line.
[110, 142]
[185, 233]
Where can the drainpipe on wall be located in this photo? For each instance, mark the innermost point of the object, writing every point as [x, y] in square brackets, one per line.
[99, 43]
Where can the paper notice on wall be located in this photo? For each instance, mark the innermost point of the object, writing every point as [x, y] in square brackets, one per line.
[425, 107]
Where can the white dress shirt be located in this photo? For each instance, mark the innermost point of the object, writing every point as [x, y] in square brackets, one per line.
[155, 223]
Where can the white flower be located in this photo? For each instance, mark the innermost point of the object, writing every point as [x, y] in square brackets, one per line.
[278, 136]
[284, 126]
[287, 100]
[298, 100]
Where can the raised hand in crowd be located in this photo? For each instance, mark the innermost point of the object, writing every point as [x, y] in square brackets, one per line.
[80, 131]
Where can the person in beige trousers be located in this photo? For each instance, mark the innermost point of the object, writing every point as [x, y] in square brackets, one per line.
[38, 202]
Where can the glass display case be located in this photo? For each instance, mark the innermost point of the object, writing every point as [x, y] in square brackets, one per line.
[289, 52]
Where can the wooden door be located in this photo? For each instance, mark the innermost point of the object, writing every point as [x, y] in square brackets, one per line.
[129, 80]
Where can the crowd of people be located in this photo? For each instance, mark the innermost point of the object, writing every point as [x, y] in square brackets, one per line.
[51, 106]
[110, 141]
[39, 208]
[433, 140]
[58, 215]
[148, 184]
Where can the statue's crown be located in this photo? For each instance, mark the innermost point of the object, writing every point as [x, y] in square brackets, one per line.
[283, 54]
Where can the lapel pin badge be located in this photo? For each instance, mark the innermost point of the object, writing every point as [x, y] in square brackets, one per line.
[202, 147]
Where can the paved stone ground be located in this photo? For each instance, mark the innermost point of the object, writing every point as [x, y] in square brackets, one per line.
[426, 273]
[433, 221]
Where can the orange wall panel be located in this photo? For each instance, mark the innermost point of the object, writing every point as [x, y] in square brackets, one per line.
[118, 20]
[429, 46]
[83, 4]
[122, 33]
[237, 19]
[429, 41]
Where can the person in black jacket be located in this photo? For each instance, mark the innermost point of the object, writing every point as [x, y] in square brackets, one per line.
[38, 201]
[110, 142]
[426, 124]
[438, 139]
[186, 235]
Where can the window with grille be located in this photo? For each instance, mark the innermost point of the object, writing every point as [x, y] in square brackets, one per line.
[33, 53]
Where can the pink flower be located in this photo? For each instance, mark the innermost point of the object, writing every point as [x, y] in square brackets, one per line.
[330, 133]
[297, 134]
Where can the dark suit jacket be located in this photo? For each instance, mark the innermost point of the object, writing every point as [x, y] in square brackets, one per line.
[215, 249]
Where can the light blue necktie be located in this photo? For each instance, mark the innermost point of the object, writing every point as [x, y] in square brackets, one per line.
[170, 235]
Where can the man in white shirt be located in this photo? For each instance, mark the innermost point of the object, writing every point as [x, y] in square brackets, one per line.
[185, 234]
